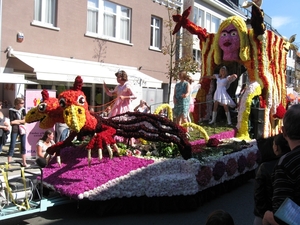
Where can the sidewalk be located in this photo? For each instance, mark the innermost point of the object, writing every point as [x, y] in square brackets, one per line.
[16, 157]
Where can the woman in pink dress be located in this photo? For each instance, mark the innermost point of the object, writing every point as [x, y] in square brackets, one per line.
[124, 94]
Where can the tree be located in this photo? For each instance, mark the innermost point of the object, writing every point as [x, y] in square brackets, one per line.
[172, 48]
[100, 50]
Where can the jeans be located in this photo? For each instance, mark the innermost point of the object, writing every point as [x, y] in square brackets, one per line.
[13, 140]
[64, 134]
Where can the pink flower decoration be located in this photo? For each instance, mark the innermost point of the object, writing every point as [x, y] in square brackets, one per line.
[242, 161]
[231, 167]
[223, 135]
[251, 159]
[137, 152]
[219, 170]
[204, 176]
[213, 142]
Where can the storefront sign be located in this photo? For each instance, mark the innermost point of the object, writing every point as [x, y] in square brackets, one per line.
[33, 131]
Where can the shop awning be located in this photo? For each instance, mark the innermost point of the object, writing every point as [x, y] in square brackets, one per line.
[12, 78]
[53, 68]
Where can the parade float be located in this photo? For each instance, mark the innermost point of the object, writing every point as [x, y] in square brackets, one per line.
[166, 170]
[91, 165]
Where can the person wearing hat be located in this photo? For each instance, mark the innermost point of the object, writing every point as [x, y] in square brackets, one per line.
[124, 93]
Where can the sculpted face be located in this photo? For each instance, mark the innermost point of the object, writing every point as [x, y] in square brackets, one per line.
[229, 42]
[75, 108]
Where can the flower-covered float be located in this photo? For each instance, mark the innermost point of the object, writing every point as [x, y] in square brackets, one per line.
[164, 163]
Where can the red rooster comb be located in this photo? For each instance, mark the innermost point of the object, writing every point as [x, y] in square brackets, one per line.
[78, 83]
[45, 94]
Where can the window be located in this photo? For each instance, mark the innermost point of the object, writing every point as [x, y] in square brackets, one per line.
[109, 20]
[197, 56]
[290, 78]
[212, 23]
[198, 17]
[45, 12]
[156, 32]
[290, 54]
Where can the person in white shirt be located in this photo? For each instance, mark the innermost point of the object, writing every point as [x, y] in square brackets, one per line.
[221, 97]
[142, 107]
[45, 142]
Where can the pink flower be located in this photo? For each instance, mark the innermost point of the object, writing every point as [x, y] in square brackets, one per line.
[231, 167]
[75, 177]
[242, 161]
[213, 142]
[219, 170]
[128, 152]
[204, 176]
[251, 159]
[137, 152]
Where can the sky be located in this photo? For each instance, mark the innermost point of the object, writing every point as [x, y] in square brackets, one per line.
[285, 16]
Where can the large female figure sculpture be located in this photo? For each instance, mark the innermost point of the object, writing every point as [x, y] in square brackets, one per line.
[260, 51]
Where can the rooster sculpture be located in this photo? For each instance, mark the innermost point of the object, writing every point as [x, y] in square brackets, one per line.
[72, 109]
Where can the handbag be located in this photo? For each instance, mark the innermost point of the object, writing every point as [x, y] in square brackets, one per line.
[22, 129]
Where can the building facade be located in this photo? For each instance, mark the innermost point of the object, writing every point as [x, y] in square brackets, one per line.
[47, 43]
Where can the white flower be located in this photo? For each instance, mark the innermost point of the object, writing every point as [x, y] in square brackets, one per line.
[80, 196]
[85, 194]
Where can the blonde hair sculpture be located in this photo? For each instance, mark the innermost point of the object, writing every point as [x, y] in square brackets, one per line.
[241, 27]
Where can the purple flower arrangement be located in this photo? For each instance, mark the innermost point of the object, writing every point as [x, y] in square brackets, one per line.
[223, 135]
[75, 179]
[75, 176]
